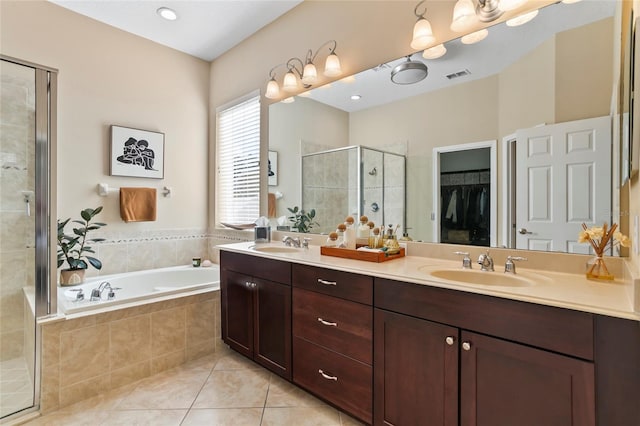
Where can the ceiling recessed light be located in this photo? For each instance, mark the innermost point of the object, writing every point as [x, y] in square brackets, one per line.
[168, 14]
[355, 97]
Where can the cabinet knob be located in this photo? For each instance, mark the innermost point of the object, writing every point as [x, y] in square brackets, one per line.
[450, 340]
[247, 284]
[329, 323]
[466, 346]
[327, 376]
[325, 282]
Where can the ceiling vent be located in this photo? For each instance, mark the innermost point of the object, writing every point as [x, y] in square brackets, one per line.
[458, 74]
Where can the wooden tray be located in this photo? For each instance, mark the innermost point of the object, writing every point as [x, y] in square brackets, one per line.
[360, 255]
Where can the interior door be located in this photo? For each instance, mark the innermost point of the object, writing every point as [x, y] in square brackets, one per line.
[563, 180]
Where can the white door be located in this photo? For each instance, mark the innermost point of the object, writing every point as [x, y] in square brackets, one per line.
[563, 179]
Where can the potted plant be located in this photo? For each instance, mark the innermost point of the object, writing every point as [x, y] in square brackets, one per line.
[72, 248]
[302, 221]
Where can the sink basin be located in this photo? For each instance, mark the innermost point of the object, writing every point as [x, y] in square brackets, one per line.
[470, 276]
[275, 249]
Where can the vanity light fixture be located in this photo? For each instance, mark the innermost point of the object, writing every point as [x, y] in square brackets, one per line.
[422, 34]
[466, 15]
[434, 52]
[168, 14]
[522, 19]
[475, 37]
[304, 72]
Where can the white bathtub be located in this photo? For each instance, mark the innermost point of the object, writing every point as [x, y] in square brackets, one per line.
[135, 288]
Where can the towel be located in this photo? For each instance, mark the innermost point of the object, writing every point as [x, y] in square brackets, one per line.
[271, 208]
[451, 210]
[138, 204]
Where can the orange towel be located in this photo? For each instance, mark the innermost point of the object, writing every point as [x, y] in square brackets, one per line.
[271, 208]
[138, 204]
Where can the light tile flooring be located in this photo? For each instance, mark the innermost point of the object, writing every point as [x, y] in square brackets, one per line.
[16, 387]
[221, 389]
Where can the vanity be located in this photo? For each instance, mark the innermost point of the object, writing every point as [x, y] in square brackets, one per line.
[403, 342]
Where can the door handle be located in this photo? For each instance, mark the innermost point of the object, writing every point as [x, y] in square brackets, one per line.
[524, 231]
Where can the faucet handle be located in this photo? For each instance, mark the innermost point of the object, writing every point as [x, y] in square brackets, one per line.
[305, 242]
[466, 260]
[509, 266]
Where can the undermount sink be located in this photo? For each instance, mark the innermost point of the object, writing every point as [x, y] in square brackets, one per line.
[275, 249]
[470, 276]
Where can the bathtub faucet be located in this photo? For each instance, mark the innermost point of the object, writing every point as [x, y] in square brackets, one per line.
[96, 293]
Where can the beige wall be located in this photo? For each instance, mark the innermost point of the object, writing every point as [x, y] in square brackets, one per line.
[634, 185]
[108, 76]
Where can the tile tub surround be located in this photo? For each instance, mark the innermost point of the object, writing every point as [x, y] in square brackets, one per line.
[140, 250]
[221, 388]
[89, 355]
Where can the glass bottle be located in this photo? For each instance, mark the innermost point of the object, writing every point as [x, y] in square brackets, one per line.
[350, 233]
[332, 240]
[363, 228]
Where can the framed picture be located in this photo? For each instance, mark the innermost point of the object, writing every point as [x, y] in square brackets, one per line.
[136, 153]
[273, 168]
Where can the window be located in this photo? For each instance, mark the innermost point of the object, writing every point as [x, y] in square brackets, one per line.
[238, 159]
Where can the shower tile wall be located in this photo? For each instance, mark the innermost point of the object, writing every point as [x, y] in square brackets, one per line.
[17, 173]
[394, 187]
[327, 179]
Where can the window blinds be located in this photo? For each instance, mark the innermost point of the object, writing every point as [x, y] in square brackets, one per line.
[238, 159]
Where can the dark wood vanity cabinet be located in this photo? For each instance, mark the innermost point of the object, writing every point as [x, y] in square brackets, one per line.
[333, 337]
[457, 358]
[256, 309]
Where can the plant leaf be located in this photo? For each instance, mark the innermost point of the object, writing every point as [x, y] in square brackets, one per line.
[94, 262]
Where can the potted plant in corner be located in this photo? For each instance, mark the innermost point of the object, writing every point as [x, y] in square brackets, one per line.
[73, 248]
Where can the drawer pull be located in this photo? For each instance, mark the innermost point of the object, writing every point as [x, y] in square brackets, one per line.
[325, 282]
[323, 322]
[326, 376]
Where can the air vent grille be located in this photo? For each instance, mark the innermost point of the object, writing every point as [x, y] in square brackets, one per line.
[458, 74]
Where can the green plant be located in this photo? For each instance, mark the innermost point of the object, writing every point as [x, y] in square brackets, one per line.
[302, 221]
[73, 248]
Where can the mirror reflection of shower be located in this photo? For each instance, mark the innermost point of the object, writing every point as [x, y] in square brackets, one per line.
[356, 181]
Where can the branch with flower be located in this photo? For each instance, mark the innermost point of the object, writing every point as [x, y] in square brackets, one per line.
[599, 237]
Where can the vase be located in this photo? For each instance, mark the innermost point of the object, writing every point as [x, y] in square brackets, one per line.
[70, 277]
[597, 269]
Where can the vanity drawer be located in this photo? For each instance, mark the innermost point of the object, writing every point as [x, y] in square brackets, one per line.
[340, 380]
[260, 267]
[557, 329]
[345, 285]
[337, 324]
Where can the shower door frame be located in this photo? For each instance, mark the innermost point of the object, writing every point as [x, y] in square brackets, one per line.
[46, 94]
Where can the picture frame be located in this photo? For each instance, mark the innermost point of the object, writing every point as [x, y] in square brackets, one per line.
[136, 153]
[272, 169]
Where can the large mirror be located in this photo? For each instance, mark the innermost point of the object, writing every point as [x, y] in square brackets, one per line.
[508, 142]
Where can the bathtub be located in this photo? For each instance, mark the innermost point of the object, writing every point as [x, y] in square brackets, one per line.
[135, 288]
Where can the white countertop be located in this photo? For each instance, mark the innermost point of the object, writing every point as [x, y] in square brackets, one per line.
[562, 290]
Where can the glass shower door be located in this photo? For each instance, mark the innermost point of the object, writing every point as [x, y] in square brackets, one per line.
[17, 242]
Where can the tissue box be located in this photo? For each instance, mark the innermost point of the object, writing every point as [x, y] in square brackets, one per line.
[262, 234]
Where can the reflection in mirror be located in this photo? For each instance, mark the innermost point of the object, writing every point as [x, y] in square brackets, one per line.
[538, 90]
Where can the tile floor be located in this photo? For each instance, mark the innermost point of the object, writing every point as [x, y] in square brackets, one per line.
[221, 389]
[16, 387]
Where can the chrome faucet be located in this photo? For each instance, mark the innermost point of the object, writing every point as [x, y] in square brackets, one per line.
[486, 262]
[466, 260]
[291, 242]
[96, 293]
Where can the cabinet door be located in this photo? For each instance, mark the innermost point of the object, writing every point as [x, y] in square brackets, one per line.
[416, 371]
[237, 294]
[272, 329]
[505, 384]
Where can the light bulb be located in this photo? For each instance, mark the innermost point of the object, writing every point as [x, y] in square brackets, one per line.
[290, 83]
[435, 52]
[309, 74]
[422, 35]
[273, 90]
[475, 37]
[332, 66]
[464, 16]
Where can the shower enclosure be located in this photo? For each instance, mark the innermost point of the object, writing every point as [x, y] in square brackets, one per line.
[27, 129]
[356, 181]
